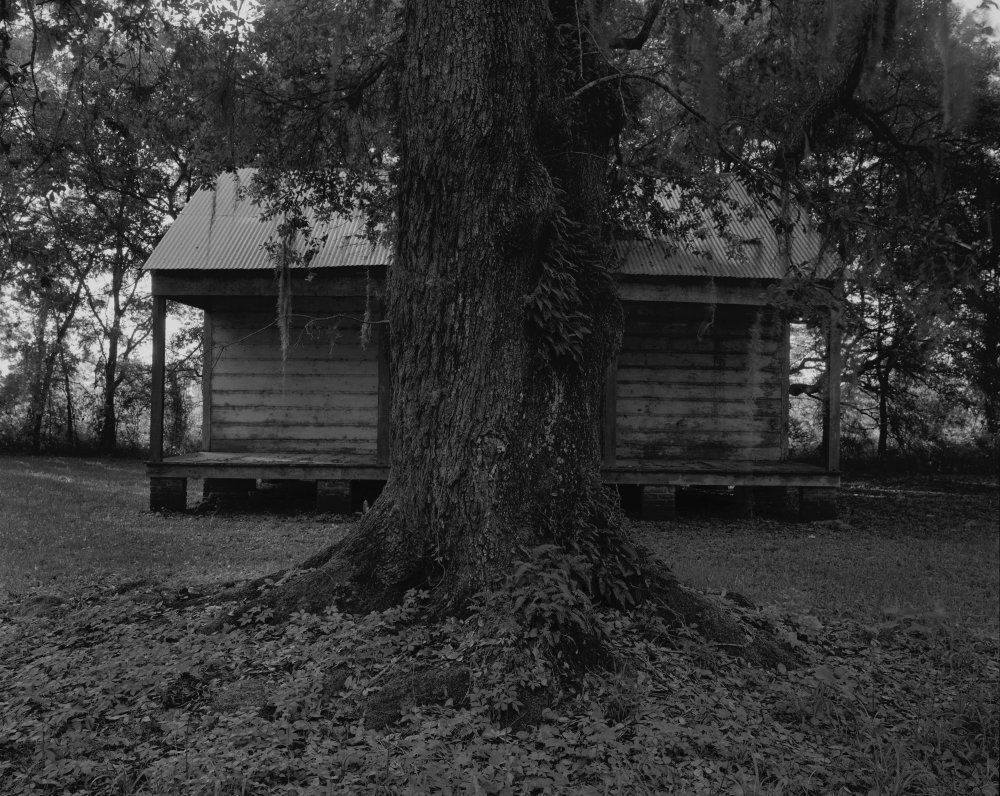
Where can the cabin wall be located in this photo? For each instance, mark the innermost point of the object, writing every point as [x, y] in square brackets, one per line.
[321, 398]
[697, 381]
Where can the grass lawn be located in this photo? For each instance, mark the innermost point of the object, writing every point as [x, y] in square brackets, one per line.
[69, 523]
[899, 548]
[106, 688]
[918, 547]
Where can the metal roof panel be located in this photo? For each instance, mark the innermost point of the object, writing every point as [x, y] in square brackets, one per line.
[222, 229]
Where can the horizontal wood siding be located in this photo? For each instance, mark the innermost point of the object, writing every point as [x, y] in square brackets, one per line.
[696, 382]
[320, 398]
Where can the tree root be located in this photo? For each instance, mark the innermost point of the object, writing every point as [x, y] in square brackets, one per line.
[331, 577]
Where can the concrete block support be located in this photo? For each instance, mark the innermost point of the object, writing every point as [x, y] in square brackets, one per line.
[659, 502]
[817, 503]
[167, 494]
[333, 496]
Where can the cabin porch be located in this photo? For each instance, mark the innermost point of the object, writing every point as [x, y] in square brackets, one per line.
[790, 489]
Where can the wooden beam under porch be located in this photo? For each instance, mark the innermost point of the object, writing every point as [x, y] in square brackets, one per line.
[812, 487]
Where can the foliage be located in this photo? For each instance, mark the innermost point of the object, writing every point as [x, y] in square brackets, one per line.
[110, 692]
[92, 164]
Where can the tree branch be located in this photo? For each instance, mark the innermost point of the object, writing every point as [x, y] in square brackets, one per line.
[636, 42]
[881, 131]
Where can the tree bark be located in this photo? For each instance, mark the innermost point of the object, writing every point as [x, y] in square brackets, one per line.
[504, 318]
[502, 312]
[883, 415]
[108, 440]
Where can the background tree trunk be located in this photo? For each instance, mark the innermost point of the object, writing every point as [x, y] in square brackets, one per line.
[108, 440]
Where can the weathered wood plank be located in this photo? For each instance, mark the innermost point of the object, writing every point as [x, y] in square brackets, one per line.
[706, 380]
[690, 345]
[358, 383]
[704, 292]
[682, 477]
[311, 400]
[293, 415]
[679, 408]
[265, 334]
[685, 426]
[159, 368]
[316, 431]
[294, 368]
[653, 453]
[297, 350]
[364, 453]
[637, 431]
[207, 359]
[265, 305]
[195, 283]
[671, 363]
[683, 391]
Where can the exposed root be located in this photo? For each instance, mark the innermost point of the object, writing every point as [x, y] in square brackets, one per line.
[554, 590]
[430, 686]
[318, 582]
[736, 630]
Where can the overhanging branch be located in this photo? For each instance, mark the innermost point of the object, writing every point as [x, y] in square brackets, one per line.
[637, 41]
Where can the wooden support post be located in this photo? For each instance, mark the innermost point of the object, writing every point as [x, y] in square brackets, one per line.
[382, 444]
[659, 502]
[333, 496]
[208, 362]
[609, 415]
[159, 368]
[817, 503]
[785, 352]
[833, 376]
[167, 494]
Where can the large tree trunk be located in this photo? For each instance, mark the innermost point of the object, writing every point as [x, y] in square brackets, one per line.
[503, 318]
[502, 312]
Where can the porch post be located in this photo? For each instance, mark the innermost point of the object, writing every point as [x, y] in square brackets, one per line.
[159, 356]
[785, 352]
[382, 443]
[833, 376]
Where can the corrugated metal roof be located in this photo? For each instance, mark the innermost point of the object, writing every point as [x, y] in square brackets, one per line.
[222, 229]
[748, 246]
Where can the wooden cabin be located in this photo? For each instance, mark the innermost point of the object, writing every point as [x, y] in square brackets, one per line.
[699, 395]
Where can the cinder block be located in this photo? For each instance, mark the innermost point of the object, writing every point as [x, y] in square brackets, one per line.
[167, 494]
[659, 502]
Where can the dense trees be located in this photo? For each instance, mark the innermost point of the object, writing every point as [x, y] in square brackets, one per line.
[93, 165]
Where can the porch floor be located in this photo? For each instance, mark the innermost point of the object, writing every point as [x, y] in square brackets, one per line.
[308, 466]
